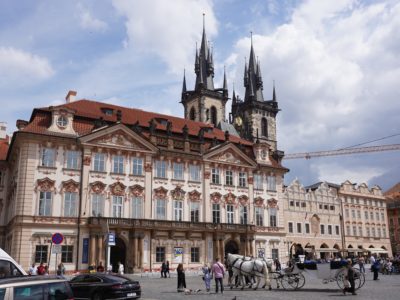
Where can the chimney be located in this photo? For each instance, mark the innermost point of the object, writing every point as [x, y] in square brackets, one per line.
[21, 124]
[3, 130]
[70, 96]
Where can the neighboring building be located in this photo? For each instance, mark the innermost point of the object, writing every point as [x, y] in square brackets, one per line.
[393, 212]
[312, 216]
[168, 188]
[3, 175]
[365, 219]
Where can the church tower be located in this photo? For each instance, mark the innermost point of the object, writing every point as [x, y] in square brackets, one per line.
[255, 118]
[205, 103]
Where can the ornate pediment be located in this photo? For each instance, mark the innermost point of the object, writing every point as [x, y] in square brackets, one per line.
[178, 193]
[136, 190]
[272, 203]
[97, 187]
[45, 185]
[117, 140]
[230, 198]
[160, 193]
[70, 186]
[229, 154]
[194, 195]
[259, 201]
[243, 200]
[215, 197]
[118, 189]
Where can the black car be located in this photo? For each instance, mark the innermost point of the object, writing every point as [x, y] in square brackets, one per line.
[98, 286]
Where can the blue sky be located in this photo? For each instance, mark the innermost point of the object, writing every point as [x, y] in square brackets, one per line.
[336, 66]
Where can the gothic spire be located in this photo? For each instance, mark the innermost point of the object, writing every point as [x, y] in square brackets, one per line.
[273, 93]
[225, 87]
[205, 69]
[252, 78]
[184, 82]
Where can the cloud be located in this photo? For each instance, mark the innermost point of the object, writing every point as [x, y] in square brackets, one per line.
[87, 21]
[19, 67]
[172, 30]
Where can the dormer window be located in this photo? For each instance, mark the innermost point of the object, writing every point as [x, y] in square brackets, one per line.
[62, 121]
[162, 121]
[107, 111]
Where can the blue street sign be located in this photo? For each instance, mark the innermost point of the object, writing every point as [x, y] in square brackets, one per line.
[57, 238]
[85, 252]
[111, 239]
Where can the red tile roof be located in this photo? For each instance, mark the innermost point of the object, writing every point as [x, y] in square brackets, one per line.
[3, 148]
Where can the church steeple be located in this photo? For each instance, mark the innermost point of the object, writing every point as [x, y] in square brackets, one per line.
[252, 78]
[184, 90]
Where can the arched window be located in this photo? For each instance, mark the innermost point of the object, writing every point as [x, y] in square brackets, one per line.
[213, 112]
[264, 127]
[192, 114]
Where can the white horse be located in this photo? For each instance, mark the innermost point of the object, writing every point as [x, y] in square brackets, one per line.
[249, 267]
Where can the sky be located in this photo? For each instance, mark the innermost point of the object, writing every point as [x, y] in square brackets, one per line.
[335, 64]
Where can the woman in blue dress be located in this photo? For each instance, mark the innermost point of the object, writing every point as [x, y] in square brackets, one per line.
[207, 276]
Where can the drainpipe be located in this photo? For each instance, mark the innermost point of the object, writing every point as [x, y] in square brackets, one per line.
[79, 214]
[342, 226]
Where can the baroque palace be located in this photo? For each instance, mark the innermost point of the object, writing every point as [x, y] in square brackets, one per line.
[180, 189]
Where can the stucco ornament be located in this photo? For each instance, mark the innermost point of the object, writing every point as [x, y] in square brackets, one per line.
[194, 195]
[45, 185]
[230, 198]
[178, 193]
[215, 197]
[117, 189]
[243, 200]
[70, 186]
[160, 193]
[259, 201]
[272, 203]
[97, 187]
[137, 190]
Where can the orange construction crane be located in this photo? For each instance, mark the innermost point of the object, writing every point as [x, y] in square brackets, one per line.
[346, 151]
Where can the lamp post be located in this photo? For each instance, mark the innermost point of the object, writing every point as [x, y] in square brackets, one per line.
[288, 243]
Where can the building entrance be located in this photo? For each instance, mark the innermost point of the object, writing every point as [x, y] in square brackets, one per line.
[118, 254]
[231, 247]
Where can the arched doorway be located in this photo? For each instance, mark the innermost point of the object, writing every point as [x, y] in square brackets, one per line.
[118, 254]
[231, 247]
[323, 253]
[213, 116]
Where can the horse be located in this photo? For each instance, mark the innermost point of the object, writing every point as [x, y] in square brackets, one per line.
[247, 266]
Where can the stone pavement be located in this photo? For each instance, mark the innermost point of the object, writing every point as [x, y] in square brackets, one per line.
[388, 287]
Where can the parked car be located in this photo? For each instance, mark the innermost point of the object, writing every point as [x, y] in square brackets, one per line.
[9, 267]
[98, 286]
[35, 288]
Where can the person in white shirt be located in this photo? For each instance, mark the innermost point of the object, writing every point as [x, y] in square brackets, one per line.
[32, 270]
[120, 268]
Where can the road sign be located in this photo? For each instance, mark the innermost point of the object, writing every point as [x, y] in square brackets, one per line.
[57, 238]
[56, 249]
[111, 239]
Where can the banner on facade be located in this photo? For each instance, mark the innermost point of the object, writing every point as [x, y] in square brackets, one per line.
[178, 255]
[261, 252]
[85, 251]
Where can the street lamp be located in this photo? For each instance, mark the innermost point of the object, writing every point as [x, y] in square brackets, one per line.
[288, 243]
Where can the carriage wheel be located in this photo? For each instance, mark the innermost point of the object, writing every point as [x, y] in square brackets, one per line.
[289, 281]
[359, 279]
[340, 279]
[275, 279]
[300, 280]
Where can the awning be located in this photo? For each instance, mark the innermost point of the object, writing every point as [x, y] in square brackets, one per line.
[327, 250]
[353, 250]
[377, 250]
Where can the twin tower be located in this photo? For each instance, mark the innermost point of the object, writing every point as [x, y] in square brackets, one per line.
[253, 118]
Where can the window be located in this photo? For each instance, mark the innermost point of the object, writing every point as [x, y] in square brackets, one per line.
[194, 254]
[347, 213]
[41, 252]
[228, 177]
[117, 204]
[72, 159]
[242, 179]
[32, 292]
[259, 216]
[320, 206]
[337, 229]
[97, 205]
[137, 166]
[216, 213]
[290, 227]
[194, 211]
[368, 231]
[160, 254]
[353, 213]
[299, 225]
[192, 114]
[178, 171]
[348, 230]
[377, 216]
[326, 206]
[358, 214]
[271, 183]
[48, 157]
[371, 214]
[213, 118]
[322, 229]
[194, 172]
[303, 204]
[70, 204]
[45, 203]
[258, 182]
[118, 164]
[160, 209]
[272, 217]
[137, 207]
[332, 207]
[354, 230]
[307, 228]
[58, 291]
[382, 217]
[297, 204]
[67, 254]
[230, 214]
[264, 127]
[373, 231]
[383, 232]
[391, 223]
[379, 232]
[215, 176]
[291, 203]
[360, 231]
[330, 229]
[161, 169]
[99, 162]
[178, 210]
[275, 254]
[243, 215]
[366, 215]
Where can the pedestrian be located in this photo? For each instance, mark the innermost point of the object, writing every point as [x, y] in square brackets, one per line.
[218, 272]
[100, 267]
[61, 269]
[207, 276]
[277, 265]
[46, 271]
[163, 270]
[375, 268]
[167, 270]
[41, 269]
[181, 278]
[120, 268]
[32, 270]
[349, 276]
[361, 263]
